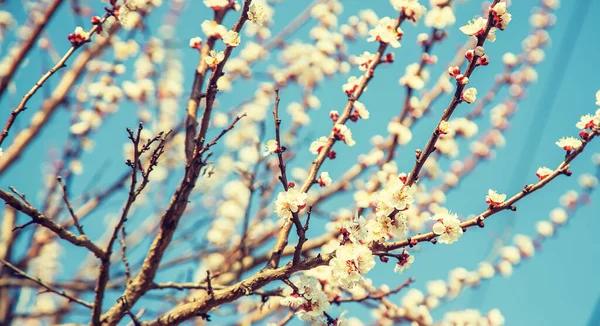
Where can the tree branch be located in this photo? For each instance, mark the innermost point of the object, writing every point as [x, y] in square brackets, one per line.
[39, 218]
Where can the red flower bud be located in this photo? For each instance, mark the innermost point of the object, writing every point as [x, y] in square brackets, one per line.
[331, 155]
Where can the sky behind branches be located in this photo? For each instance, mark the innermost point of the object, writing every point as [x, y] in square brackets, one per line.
[558, 286]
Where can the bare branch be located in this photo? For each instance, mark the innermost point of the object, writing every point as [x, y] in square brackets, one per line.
[41, 219]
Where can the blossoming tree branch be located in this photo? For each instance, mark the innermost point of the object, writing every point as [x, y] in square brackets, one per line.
[230, 208]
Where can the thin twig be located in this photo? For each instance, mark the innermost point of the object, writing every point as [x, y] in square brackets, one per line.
[209, 287]
[69, 207]
[124, 253]
[45, 285]
[378, 296]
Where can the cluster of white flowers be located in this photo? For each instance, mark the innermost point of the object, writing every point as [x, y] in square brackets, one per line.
[383, 227]
[289, 202]
[310, 300]
[510, 256]
[353, 229]
[478, 26]
[390, 204]
[395, 196]
[386, 32]
[351, 262]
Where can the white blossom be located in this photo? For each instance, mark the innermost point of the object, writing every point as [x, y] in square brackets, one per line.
[317, 145]
[447, 227]
[231, 38]
[214, 58]
[324, 179]
[469, 95]
[404, 262]
[494, 199]
[289, 202]
[270, 147]
[543, 172]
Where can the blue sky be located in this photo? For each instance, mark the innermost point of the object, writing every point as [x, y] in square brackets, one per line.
[558, 286]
